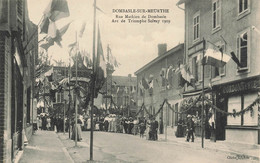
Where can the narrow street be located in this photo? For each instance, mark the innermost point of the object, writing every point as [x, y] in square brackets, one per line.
[118, 147]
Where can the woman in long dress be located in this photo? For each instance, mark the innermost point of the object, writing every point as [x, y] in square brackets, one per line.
[147, 129]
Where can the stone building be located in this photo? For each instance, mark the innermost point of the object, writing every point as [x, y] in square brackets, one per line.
[162, 85]
[232, 26]
[18, 52]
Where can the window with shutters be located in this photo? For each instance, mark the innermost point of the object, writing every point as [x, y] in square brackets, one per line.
[243, 49]
[196, 26]
[216, 14]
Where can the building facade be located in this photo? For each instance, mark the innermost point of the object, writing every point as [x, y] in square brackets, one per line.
[233, 27]
[19, 50]
[163, 83]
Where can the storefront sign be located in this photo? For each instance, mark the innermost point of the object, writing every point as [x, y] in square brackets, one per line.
[241, 86]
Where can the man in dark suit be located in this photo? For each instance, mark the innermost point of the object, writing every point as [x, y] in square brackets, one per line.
[190, 128]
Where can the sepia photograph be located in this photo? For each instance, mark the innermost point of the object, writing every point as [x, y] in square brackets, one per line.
[129, 81]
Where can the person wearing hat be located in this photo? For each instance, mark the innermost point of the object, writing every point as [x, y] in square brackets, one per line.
[190, 128]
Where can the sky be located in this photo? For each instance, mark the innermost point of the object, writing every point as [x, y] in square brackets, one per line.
[132, 44]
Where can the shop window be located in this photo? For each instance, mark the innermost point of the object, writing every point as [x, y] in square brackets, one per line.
[234, 104]
[243, 50]
[250, 117]
[196, 26]
[216, 14]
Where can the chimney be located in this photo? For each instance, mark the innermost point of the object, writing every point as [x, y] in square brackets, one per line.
[162, 48]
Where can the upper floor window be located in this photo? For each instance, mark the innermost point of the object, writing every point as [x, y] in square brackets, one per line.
[216, 14]
[243, 49]
[243, 5]
[196, 26]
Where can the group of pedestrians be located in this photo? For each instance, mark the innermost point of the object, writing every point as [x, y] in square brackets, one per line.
[190, 128]
[49, 123]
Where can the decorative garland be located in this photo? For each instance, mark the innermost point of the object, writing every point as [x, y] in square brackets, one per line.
[234, 113]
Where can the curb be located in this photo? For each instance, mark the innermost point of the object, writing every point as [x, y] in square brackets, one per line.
[18, 156]
[238, 155]
[64, 149]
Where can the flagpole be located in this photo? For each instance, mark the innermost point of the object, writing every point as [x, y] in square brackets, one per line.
[202, 112]
[69, 75]
[93, 82]
[76, 99]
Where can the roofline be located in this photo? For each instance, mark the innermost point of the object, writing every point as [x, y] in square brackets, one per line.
[166, 54]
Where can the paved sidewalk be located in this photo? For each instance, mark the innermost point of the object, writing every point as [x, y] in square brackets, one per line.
[45, 147]
[240, 150]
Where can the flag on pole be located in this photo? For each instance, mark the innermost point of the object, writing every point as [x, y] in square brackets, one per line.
[54, 35]
[72, 47]
[44, 25]
[111, 59]
[100, 57]
[60, 33]
[47, 43]
[82, 29]
[215, 57]
[57, 9]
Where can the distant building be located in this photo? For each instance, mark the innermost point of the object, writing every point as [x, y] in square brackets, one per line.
[232, 26]
[62, 96]
[163, 83]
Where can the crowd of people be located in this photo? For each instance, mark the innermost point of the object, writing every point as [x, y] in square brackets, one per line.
[128, 125]
[143, 126]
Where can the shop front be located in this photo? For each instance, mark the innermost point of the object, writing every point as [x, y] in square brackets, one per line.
[239, 101]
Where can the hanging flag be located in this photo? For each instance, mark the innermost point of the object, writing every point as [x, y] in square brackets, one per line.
[52, 30]
[145, 83]
[133, 90]
[186, 76]
[100, 66]
[47, 43]
[231, 52]
[44, 25]
[100, 56]
[168, 72]
[151, 84]
[49, 72]
[82, 29]
[87, 58]
[111, 59]
[60, 33]
[235, 59]
[163, 73]
[57, 9]
[72, 48]
[215, 57]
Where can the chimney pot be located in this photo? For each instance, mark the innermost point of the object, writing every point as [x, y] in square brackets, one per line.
[162, 48]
